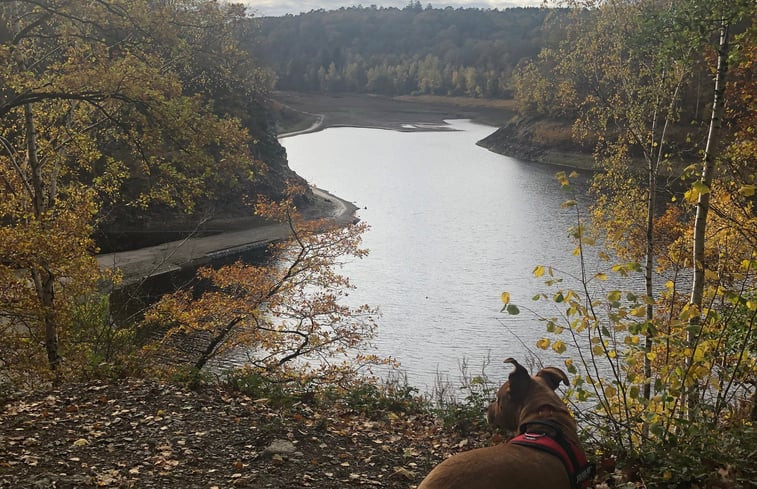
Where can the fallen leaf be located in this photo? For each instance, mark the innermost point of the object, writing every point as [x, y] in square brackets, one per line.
[403, 472]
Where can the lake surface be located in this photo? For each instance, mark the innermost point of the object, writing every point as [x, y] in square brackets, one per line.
[453, 225]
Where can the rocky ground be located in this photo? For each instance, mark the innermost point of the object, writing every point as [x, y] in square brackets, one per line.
[150, 435]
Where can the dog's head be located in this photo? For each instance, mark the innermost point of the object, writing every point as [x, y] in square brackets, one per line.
[521, 390]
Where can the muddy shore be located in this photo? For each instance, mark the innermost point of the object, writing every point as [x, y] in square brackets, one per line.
[299, 113]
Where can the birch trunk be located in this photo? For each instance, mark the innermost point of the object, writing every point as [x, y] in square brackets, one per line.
[703, 203]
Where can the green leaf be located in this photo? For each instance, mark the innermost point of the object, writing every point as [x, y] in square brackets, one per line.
[614, 296]
[513, 310]
[700, 187]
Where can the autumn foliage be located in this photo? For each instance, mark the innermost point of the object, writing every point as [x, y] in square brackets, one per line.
[660, 330]
[286, 318]
[102, 106]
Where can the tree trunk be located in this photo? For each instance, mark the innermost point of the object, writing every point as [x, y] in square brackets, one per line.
[43, 278]
[649, 286]
[703, 205]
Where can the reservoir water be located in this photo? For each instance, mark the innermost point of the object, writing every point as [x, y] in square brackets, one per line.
[453, 225]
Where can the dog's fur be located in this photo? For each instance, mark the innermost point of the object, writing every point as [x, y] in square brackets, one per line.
[521, 399]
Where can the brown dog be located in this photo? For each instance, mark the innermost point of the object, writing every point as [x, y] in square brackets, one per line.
[546, 456]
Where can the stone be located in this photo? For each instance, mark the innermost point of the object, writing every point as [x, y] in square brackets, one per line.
[279, 447]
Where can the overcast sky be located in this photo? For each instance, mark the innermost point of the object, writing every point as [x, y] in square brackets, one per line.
[281, 7]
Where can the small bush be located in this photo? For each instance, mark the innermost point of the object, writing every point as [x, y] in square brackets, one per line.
[705, 457]
[96, 348]
[465, 412]
[391, 395]
[259, 385]
[191, 378]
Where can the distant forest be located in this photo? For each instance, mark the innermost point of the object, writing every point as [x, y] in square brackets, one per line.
[392, 51]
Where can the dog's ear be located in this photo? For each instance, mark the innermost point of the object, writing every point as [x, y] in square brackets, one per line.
[519, 379]
[553, 376]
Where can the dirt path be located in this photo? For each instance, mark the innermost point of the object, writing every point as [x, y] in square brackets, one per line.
[315, 126]
[136, 265]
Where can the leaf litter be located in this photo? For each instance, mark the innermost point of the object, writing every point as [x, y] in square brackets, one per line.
[150, 435]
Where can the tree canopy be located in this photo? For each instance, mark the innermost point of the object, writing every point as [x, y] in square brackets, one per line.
[661, 87]
[105, 106]
[394, 51]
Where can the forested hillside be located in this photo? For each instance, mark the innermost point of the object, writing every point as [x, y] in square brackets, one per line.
[115, 114]
[392, 51]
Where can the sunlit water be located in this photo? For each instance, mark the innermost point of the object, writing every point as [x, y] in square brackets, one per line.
[453, 225]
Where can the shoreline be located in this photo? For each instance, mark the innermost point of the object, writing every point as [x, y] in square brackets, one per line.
[316, 112]
[192, 252]
[417, 114]
[237, 236]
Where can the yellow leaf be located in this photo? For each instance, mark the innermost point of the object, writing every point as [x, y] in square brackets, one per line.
[543, 343]
[699, 353]
[748, 190]
[559, 346]
[505, 297]
[639, 312]
[538, 271]
[610, 391]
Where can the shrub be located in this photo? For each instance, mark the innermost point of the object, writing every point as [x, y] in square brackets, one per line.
[465, 412]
